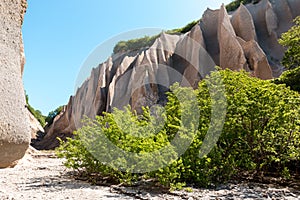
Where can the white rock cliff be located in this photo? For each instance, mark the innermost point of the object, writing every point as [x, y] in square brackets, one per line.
[14, 120]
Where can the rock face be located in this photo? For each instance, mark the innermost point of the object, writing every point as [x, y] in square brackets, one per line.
[14, 121]
[35, 126]
[231, 53]
[244, 40]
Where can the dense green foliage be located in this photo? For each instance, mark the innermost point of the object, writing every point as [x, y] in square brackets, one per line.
[235, 4]
[260, 134]
[136, 44]
[52, 114]
[184, 29]
[290, 78]
[291, 40]
[36, 113]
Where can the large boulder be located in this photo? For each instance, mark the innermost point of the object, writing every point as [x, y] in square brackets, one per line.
[14, 121]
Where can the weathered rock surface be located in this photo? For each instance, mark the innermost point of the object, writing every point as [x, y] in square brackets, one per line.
[35, 126]
[191, 58]
[231, 53]
[257, 59]
[14, 121]
[271, 18]
[245, 39]
[243, 24]
[146, 79]
[209, 25]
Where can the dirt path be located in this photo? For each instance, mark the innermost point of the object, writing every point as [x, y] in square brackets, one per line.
[42, 176]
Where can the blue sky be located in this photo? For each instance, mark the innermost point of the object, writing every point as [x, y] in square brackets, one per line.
[60, 34]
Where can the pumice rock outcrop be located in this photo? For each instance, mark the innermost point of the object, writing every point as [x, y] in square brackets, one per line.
[36, 128]
[230, 49]
[246, 39]
[14, 121]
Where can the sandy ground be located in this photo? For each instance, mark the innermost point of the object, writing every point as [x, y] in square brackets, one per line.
[40, 175]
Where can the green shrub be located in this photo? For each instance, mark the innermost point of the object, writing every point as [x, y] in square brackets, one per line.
[291, 40]
[261, 129]
[290, 78]
[260, 134]
[132, 133]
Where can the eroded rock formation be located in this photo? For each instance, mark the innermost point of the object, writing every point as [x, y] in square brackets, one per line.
[14, 121]
[35, 127]
[244, 40]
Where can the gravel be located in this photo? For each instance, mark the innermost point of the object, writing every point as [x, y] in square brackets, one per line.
[40, 175]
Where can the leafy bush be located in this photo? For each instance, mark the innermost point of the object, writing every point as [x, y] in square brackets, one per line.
[290, 78]
[132, 133]
[291, 40]
[260, 134]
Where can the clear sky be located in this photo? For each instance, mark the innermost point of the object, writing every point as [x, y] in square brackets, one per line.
[59, 35]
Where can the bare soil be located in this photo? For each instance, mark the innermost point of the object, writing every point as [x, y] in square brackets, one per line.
[41, 175]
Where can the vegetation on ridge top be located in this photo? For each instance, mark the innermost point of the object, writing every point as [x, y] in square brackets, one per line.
[235, 4]
[147, 41]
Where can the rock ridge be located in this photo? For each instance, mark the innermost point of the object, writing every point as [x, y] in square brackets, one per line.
[245, 39]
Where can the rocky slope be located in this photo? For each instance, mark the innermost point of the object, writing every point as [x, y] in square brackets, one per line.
[14, 121]
[245, 39]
